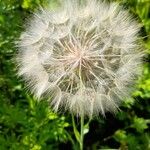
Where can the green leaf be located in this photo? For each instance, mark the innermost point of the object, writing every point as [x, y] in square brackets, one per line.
[140, 124]
[76, 132]
[120, 136]
[86, 128]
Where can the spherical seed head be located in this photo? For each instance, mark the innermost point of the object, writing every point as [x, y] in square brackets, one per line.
[82, 58]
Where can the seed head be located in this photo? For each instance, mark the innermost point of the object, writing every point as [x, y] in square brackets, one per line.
[82, 58]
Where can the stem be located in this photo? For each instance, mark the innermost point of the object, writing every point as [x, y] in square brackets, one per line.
[82, 132]
[74, 126]
[71, 140]
[79, 136]
[76, 133]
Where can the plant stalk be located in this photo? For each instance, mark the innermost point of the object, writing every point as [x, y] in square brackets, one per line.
[81, 132]
[79, 135]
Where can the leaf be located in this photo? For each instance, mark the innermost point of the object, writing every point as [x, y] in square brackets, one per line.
[140, 124]
[129, 103]
[76, 132]
[86, 128]
[120, 136]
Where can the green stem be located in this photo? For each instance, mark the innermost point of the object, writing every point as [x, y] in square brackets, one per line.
[76, 132]
[82, 132]
[79, 136]
[71, 140]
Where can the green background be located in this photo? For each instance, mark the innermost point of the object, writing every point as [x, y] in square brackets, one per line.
[26, 124]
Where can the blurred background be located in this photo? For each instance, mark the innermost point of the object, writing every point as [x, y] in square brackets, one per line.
[29, 125]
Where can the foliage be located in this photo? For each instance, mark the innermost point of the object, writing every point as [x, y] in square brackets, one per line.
[27, 124]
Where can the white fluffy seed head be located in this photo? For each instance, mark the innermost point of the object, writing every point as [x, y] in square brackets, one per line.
[82, 58]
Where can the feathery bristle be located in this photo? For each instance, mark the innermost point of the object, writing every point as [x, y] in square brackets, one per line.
[83, 58]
